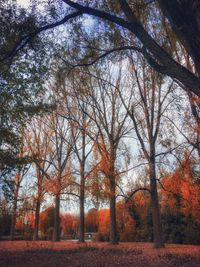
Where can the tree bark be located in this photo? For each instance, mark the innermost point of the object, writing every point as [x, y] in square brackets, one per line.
[157, 57]
[82, 208]
[13, 219]
[82, 188]
[157, 226]
[113, 223]
[56, 228]
[37, 218]
[184, 20]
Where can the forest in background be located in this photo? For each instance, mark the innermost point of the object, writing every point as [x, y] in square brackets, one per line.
[179, 214]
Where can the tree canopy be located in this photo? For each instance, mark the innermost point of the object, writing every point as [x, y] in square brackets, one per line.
[145, 21]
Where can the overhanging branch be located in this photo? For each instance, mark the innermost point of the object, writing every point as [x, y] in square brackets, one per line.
[158, 55]
[26, 39]
[105, 54]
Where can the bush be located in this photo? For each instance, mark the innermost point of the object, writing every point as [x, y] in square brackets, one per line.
[28, 236]
[101, 237]
[43, 237]
[49, 234]
[47, 221]
[5, 223]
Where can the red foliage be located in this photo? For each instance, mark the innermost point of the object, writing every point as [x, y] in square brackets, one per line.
[68, 223]
[125, 223]
[91, 220]
[181, 193]
[104, 221]
[24, 221]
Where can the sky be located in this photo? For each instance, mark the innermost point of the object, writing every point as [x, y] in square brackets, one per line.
[88, 22]
[23, 3]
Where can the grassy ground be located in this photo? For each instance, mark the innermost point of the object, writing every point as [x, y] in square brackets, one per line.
[70, 254]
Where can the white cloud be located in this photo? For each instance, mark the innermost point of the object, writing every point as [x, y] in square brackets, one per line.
[23, 3]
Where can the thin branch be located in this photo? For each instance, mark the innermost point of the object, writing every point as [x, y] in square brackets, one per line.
[135, 191]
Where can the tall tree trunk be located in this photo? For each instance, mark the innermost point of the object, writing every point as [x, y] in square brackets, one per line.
[15, 200]
[157, 226]
[113, 223]
[37, 218]
[82, 212]
[56, 227]
[13, 218]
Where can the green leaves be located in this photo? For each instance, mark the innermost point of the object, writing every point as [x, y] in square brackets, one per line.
[22, 79]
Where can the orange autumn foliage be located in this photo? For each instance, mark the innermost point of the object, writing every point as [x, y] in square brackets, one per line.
[91, 220]
[67, 223]
[105, 162]
[181, 193]
[125, 223]
[103, 218]
[46, 219]
[142, 202]
[53, 186]
[24, 221]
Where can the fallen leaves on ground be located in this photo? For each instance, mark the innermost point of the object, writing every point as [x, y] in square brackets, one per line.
[72, 254]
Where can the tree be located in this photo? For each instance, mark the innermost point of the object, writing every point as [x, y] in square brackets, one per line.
[38, 142]
[181, 191]
[139, 208]
[190, 125]
[82, 148]
[180, 203]
[57, 163]
[67, 223]
[5, 218]
[47, 222]
[103, 224]
[148, 103]
[109, 119]
[125, 223]
[91, 220]
[20, 84]
[14, 184]
[61, 175]
[75, 110]
[155, 54]
[128, 16]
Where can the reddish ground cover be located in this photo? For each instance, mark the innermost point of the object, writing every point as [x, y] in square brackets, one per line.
[71, 254]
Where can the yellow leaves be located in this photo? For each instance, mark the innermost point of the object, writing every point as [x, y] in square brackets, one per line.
[53, 186]
[171, 35]
[104, 155]
[114, 5]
